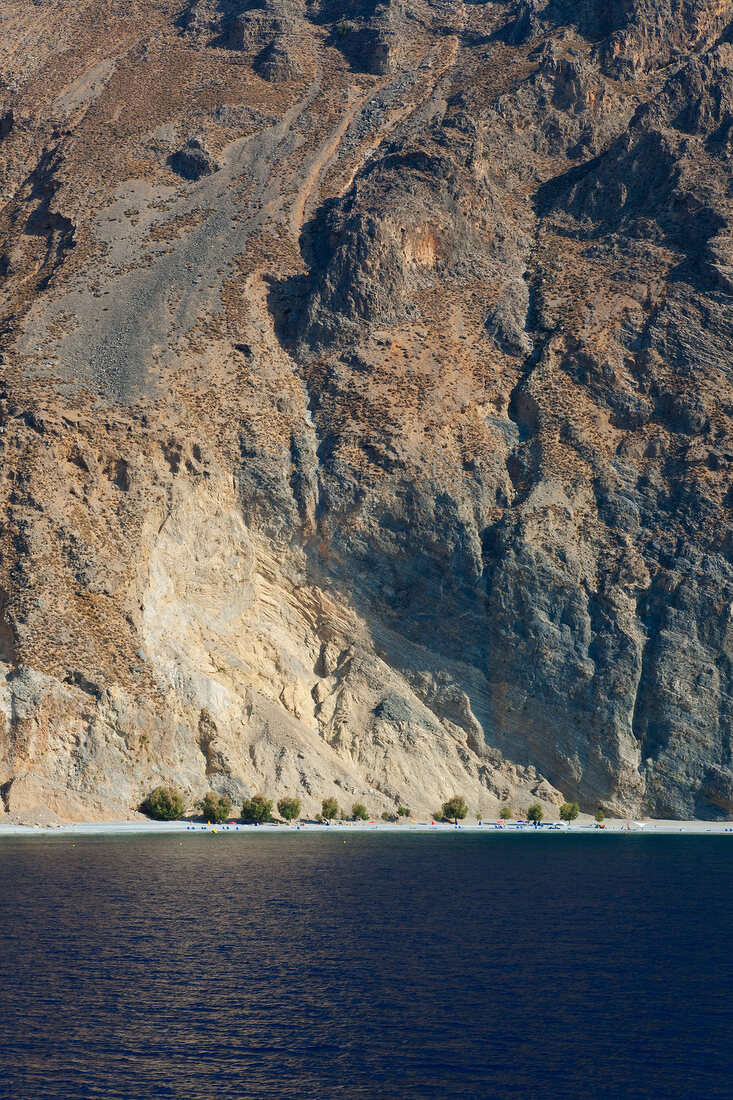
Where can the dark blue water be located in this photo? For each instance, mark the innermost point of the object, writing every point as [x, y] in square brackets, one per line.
[412, 966]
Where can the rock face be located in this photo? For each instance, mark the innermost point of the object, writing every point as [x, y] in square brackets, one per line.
[193, 160]
[377, 441]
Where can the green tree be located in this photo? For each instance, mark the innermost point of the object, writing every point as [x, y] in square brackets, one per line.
[216, 807]
[505, 813]
[289, 808]
[359, 812]
[455, 809]
[600, 816]
[329, 808]
[569, 811]
[164, 804]
[535, 812]
[386, 815]
[256, 809]
[403, 811]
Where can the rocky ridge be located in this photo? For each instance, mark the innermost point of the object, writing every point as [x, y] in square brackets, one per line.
[366, 403]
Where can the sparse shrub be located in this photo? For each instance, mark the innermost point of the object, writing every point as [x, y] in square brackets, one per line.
[343, 29]
[216, 807]
[403, 811]
[359, 812]
[329, 808]
[535, 812]
[455, 809]
[600, 816]
[163, 804]
[257, 809]
[289, 808]
[386, 815]
[569, 811]
[505, 813]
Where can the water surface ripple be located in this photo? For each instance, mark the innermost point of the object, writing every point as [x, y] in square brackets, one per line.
[412, 966]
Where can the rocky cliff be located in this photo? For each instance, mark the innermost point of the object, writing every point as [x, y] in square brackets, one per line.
[366, 417]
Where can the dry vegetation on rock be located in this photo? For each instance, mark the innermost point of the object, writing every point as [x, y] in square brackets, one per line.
[366, 409]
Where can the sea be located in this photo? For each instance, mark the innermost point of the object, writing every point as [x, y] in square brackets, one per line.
[451, 965]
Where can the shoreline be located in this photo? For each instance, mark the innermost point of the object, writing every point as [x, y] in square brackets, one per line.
[614, 827]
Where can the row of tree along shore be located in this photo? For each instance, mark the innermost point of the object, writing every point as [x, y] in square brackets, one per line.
[167, 804]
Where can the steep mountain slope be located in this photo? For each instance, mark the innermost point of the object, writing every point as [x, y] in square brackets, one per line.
[367, 405]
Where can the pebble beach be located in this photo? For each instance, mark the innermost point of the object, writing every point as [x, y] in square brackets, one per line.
[583, 825]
